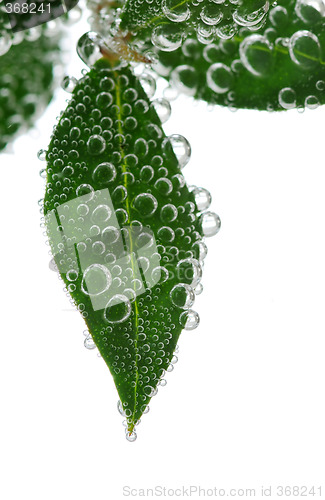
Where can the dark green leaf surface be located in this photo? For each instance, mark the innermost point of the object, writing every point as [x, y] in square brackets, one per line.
[26, 84]
[282, 66]
[110, 140]
[169, 21]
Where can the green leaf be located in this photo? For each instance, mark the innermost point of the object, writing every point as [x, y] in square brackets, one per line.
[26, 85]
[129, 242]
[280, 67]
[169, 21]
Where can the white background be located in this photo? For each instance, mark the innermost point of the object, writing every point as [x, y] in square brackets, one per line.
[244, 406]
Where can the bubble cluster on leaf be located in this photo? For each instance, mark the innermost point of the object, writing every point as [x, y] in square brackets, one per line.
[125, 229]
[278, 67]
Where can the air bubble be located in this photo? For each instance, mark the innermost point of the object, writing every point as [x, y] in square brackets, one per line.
[311, 102]
[131, 437]
[104, 173]
[304, 49]
[85, 190]
[89, 343]
[149, 84]
[167, 37]
[168, 213]
[211, 14]
[287, 98]
[118, 309]
[256, 55]
[189, 271]
[162, 108]
[190, 319]
[210, 223]
[243, 17]
[182, 295]
[89, 48]
[101, 214]
[96, 280]
[310, 11]
[120, 408]
[146, 204]
[41, 155]
[5, 43]
[202, 198]
[96, 144]
[185, 79]
[220, 78]
[180, 146]
[69, 83]
[176, 11]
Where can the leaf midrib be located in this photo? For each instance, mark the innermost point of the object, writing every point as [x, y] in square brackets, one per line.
[128, 210]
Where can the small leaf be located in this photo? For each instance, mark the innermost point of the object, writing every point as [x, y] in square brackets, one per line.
[125, 229]
[26, 85]
[168, 22]
[280, 67]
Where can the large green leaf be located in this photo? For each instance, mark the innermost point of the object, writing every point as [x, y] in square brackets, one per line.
[280, 67]
[115, 188]
[26, 84]
[169, 21]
